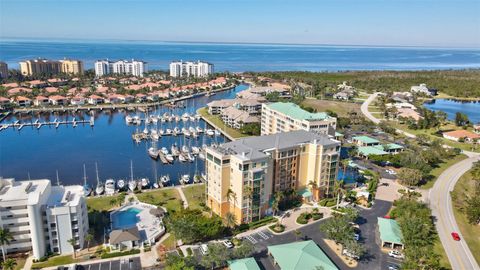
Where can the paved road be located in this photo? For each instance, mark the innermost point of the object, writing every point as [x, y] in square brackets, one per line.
[458, 253]
[374, 260]
[119, 264]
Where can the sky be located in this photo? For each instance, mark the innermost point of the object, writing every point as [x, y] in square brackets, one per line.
[443, 23]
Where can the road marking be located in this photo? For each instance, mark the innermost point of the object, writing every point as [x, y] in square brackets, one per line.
[251, 239]
[263, 235]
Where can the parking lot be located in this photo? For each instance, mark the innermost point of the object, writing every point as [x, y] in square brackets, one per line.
[121, 264]
[258, 236]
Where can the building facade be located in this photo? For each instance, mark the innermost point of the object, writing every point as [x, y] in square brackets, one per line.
[243, 175]
[45, 66]
[3, 70]
[134, 67]
[187, 69]
[283, 117]
[42, 217]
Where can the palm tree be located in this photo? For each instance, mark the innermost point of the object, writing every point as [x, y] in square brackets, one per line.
[313, 185]
[88, 238]
[230, 220]
[72, 242]
[5, 238]
[297, 234]
[278, 198]
[338, 189]
[9, 264]
[248, 192]
[345, 163]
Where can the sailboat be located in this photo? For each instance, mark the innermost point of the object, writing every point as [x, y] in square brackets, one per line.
[153, 151]
[99, 189]
[155, 177]
[132, 184]
[109, 187]
[87, 190]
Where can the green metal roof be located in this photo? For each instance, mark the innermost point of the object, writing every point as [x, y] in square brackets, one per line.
[243, 264]
[294, 111]
[338, 134]
[366, 139]
[305, 255]
[392, 146]
[389, 231]
[371, 150]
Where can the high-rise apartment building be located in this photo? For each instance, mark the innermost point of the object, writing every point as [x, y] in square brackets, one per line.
[3, 70]
[44, 66]
[283, 117]
[71, 66]
[243, 175]
[42, 217]
[187, 69]
[134, 67]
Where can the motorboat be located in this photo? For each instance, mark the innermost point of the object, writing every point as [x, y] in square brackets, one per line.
[169, 158]
[192, 118]
[182, 158]
[199, 129]
[161, 132]
[185, 117]
[155, 185]
[129, 120]
[132, 185]
[177, 130]
[121, 184]
[99, 189]
[217, 133]
[185, 149]
[184, 179]
[210, 132]
[190, 157]
[187, 133]
[145, 130]
[145, 182]
[136, 120]
[191, 129]
[109, 187]
[174, 150]
[201, 156]
[164, 150]
[153, 153]
[168, 131]
[197, 178]
[195, 150]
[165, 180]
[177, 118]
[198, 116]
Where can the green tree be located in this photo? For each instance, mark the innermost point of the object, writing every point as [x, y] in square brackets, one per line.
[174, 262]
[355, 248]
[5, 238]
[461, 119]
[72, 242]
[216, 257]
[338, 190]
[230, 219]
[88, 238]
[9, 264]
[252, 129]
[338, 229]
[410, 177]
[246, 249]
[472, 209]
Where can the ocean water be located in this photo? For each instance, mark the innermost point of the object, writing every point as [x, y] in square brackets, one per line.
[245, 57]
[39, 153]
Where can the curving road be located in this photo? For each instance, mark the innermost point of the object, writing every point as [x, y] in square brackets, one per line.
[458, 253]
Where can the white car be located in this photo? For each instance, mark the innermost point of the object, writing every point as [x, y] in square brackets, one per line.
[356, 236]
[204, 249]
[393, 267]
[347, 253]
[391, 172]
[395, 254]
[227, 243]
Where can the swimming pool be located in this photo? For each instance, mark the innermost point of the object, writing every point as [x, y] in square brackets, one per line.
[125, 218]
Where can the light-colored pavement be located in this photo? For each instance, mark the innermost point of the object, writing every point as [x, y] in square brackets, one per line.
[182, 195]
[458, 253]
[388, 190]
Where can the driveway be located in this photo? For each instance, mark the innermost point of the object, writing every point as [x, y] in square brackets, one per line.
[374, 260]
[387, 190]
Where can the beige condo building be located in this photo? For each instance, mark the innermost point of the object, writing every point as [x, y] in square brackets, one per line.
[283, 117]
[243, 175]
[45, 66]
[71, 66]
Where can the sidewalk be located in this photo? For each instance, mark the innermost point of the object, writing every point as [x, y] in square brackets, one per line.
[182, 195]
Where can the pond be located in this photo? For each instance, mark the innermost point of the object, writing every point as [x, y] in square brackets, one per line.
[451, 107]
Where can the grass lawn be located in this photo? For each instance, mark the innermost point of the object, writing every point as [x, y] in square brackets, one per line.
[339, 107]
[438, 248]
[20, 263]
[169, 243]
[168, 198]
[100, 203]
[441, 168]
[216, 120]
[54, 261]
[471, 233]
[195, 195]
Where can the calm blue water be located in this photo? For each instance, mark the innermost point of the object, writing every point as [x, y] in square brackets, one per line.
[451, 107]
[245, 57]
[125, 218]
[39, 153]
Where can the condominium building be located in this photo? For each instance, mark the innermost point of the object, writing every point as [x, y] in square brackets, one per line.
[283, 117]
[45, 66]
[42, 217]
[71, 66]
[243, 175]
[187, 69]
[3, 70]
[134, 67]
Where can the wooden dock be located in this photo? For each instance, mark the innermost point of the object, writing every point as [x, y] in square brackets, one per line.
[56, 123]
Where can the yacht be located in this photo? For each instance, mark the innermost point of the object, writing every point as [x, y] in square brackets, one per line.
[195, 150]
[210, 132]
[192, 118]
[169, 158]
[201, 156]
[154, 134]
[177, 118]
[121, 184]
[153, 152]
[187, 133]
[145, 182]
[136, 120]
[177, 130]
[129, 120]
[165, 180]
[185, 179]
[109, 187]
[198, 116]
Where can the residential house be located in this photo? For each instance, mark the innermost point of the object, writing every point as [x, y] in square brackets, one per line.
[78, 100]
[124, 238]
[94, 100]
[22, 101]
[459, 135]
[422, 89]
[365, 141]
[58, 100]
[408, 113]
[41, 101]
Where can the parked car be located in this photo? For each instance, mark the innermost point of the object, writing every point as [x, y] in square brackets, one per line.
[356, 236]
[395, 254]
[393, 267]
[455, 236]
[204, 249]
[347, 253]
[227, 243]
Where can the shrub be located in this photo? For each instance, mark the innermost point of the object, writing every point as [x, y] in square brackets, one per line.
[317, 216]
[120, 253]
[303, 218]
[189, 251]
[278, 228]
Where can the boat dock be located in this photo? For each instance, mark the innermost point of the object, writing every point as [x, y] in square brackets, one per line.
[56, 123]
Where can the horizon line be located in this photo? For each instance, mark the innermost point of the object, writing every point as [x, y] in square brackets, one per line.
[53, 39]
